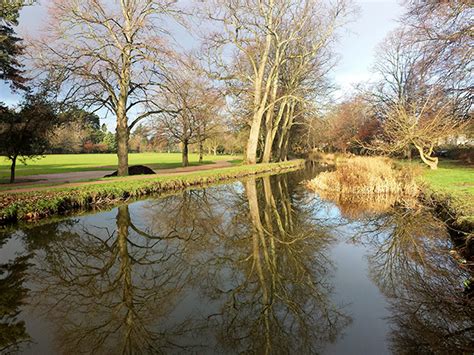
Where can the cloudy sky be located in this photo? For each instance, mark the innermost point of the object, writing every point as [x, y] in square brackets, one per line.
[356, 47]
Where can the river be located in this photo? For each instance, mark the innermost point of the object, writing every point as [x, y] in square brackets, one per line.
[260, 266]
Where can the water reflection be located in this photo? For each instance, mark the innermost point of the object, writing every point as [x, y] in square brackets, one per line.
[253, 264]
[244, 267]
[12, 297]
[279, 300]
[106, 288]
[410, 262]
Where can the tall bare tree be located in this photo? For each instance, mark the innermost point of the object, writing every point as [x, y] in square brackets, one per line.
[260, 34]
[412, 103]
[302, 81]
[108, 55]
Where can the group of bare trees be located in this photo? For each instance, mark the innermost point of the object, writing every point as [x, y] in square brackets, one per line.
[279, 58]
[265, 60]
[413, 98]
[121, 57]
[425, 94]
[193, 107]
[422, 92]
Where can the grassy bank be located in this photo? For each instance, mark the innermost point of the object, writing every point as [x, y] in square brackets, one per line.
[450, 191]
[65, 163]
[54, 201]
[453, 179]
[451, 184]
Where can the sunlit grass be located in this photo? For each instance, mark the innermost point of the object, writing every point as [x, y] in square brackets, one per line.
[452, 180]
[451, 177]
[65, 163]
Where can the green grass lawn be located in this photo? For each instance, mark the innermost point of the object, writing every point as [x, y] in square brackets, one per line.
[452, 179]
[64, 163]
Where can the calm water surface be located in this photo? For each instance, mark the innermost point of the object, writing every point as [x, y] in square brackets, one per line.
[258, 266]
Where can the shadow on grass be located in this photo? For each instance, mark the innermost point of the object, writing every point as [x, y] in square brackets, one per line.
[176, 165]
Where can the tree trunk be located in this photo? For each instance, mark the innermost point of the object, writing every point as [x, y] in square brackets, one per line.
[122, 150]
[12, 170]
[408, 153]
[185, 153]
[260, 101]
[284, 148]
[267, 147]
[432, 162]
[201, 149]
[285, 132]
[279, 126]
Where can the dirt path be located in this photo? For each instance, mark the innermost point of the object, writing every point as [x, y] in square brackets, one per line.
[77, 178]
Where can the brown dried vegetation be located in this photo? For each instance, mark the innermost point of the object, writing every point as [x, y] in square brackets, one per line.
[366, 175]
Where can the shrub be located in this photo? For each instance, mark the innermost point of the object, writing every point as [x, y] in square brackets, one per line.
[367, 175]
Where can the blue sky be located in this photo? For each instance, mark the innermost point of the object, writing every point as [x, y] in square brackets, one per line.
[358, 43]
[356, 47]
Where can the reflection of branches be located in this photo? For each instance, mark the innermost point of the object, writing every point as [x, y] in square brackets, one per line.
[12, 295]
[108, 290]
[271, 276]
[257, 258]
[412, 266]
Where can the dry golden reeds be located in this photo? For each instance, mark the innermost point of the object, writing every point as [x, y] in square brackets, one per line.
[366, 175]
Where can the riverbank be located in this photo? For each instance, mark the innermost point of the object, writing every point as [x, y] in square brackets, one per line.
[449, 191]
[455, 181]
[36, 205]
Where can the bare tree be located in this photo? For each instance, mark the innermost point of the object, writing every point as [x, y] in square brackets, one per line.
[403, 71]
[444, 29]
[413, 105]
[193, 106]
[421, 124]
[265, 35]
[108, 55]
[302, 75]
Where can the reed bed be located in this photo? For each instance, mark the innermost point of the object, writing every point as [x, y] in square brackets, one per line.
[367, 176]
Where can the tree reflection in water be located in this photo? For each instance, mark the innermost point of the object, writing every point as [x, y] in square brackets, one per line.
[257, 260]
[12, 296]
[411, 264]
[236, 268]
[107, 291]
[273, 277]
